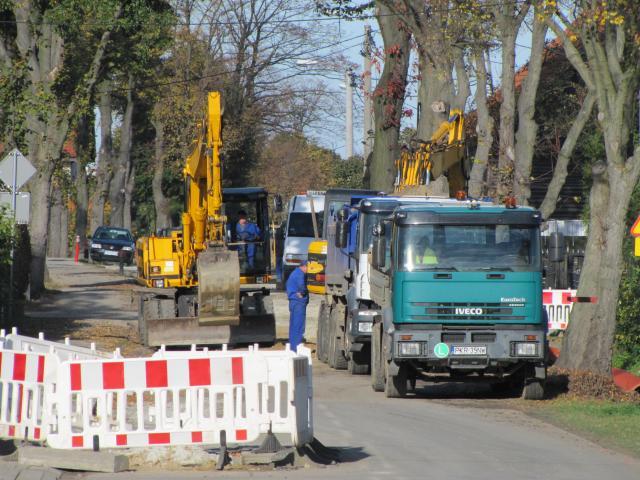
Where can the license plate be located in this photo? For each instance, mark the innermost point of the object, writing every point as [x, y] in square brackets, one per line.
[109, 252]
[468, 350]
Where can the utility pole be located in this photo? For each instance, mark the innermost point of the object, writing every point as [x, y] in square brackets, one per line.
[348, 81]
[368, 110]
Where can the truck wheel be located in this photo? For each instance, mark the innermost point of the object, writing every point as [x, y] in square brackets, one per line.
[533, 390]
[357, 364]
[336, 358]
[395, 386]
[377, 374]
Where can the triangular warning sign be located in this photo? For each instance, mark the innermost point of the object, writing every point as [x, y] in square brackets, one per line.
[635, 228]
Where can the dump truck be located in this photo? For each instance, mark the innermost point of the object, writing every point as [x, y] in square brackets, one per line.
[459, 289]
[209, 280]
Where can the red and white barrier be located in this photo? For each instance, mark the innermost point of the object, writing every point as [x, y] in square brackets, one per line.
[558, 304]
[73, 398]
[26, 381]
[64, 351]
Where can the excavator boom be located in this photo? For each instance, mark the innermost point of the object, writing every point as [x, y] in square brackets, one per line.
[435, 167]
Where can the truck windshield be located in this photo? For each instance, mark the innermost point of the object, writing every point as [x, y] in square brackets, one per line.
[469, 247]
[301, 225]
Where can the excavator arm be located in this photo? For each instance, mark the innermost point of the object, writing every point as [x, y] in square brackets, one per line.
[435, 165]
[203, 222]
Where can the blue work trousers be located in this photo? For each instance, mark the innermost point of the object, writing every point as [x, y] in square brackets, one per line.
[297, 321]
[251, 254]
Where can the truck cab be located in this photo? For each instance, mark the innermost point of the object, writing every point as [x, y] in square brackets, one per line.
[460, 292]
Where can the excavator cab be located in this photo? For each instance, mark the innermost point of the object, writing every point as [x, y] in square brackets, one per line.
[251, 238]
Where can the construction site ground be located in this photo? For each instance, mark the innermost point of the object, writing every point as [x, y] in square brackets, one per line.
[452, 431]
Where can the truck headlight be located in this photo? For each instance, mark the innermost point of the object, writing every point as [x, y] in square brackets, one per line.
[96, 245]
[158, 283]
[409, 349]
[127, 249]
[526, 349]
[365, 327]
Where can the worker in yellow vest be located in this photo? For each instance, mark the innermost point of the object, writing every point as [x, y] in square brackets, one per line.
[428, 256]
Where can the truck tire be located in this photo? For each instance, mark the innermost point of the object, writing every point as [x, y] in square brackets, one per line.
[377, 373]
[336, 358]
[395, 386]
[533, 390]
[357, 363]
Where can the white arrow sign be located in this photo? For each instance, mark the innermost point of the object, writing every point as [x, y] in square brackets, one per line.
[15, 169]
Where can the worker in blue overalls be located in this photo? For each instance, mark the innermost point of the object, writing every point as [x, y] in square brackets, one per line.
[298, 296]
[249, 232]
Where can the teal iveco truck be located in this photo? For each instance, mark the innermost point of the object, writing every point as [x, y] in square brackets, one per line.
[460, 290]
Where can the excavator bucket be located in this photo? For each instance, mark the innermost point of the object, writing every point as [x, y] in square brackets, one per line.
[218, 287]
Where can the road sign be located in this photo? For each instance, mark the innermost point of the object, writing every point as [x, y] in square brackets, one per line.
[15, 160]
[23, 201]
[635, 228]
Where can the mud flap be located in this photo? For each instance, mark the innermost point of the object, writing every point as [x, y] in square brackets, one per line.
[218, 287]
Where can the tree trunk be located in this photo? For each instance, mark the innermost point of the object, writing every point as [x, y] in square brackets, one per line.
[434, 90]
[161, 203]
[509, 20]
[104, 169]
[85, 152]
[63, 248]
[588, 342]
[117, 189]
[388, 99]
[128, 197]
[560, 171]
[506, 153]
[484, 129]
[527, 126]
[55, 227]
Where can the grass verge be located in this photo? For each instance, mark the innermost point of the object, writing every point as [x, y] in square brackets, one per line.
[614, 425]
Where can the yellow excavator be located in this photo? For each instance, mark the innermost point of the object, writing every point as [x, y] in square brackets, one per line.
[210, 279]
[434, 167]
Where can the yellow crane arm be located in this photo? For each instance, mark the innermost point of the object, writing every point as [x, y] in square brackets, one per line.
[432, 158]
[202, 220]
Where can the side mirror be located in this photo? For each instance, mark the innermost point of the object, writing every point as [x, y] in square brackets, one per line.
[379, 254]
[342, 230]
[277, 202]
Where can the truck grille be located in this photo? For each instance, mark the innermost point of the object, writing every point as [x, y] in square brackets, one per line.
[440, 311]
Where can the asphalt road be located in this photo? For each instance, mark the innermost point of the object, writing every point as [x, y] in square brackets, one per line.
[450, 435]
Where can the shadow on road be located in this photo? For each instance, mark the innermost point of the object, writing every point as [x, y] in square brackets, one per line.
[556, 385]
[124, 281]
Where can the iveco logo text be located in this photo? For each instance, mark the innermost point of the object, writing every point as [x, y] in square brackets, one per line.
[468, 311]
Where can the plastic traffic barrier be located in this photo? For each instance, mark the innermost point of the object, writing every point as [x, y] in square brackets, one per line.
[183, 398]
[558, 304]
[26, 381]
[172, 398]
[64, 351]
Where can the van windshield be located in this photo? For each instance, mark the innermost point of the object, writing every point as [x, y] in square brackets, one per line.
[301, 224]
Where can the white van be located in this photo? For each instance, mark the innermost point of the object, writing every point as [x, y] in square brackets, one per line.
[299, 232]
